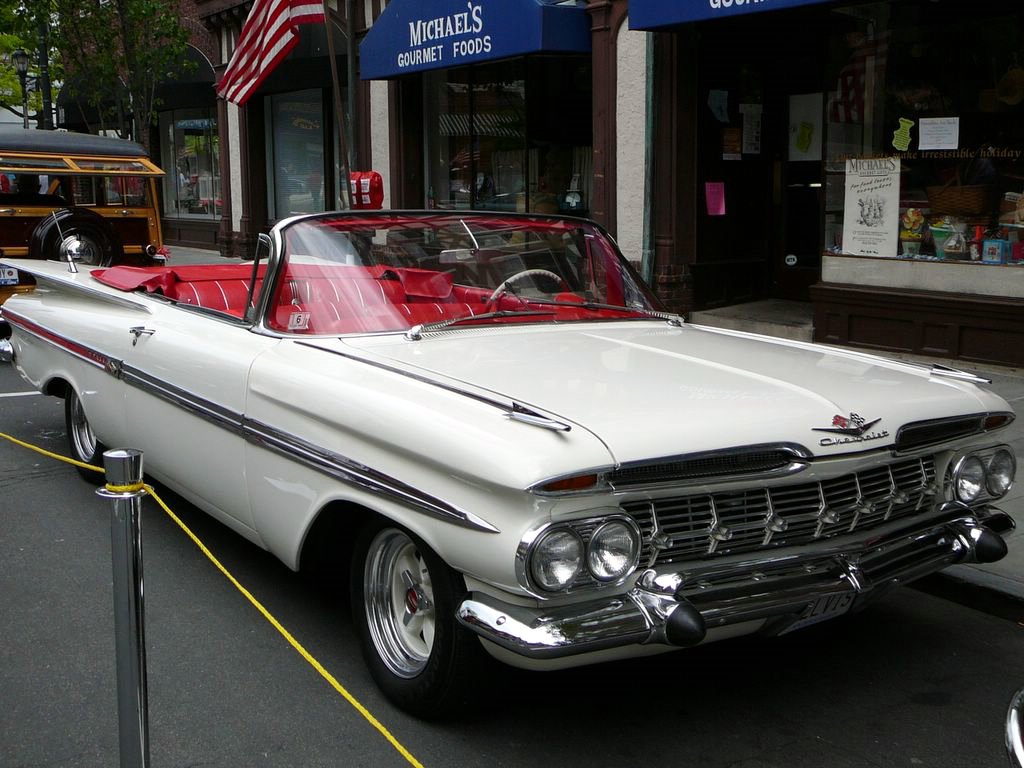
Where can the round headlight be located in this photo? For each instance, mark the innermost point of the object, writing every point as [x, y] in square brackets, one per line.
[556, 559]
[969, 479]
[1001, 470]
[613, 551]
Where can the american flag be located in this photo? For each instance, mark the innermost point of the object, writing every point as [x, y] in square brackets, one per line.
[268, 35]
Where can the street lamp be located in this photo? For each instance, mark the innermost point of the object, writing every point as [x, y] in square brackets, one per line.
[20, 59]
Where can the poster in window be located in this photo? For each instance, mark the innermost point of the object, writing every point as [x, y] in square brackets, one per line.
[872, 208]
[805, 126]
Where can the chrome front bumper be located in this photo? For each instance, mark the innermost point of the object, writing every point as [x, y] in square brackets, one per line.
[676, 609]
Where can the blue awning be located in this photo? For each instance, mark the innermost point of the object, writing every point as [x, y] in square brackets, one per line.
[652, 14]
[413, 36]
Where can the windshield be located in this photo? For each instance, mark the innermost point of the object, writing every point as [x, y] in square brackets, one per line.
[367, 273]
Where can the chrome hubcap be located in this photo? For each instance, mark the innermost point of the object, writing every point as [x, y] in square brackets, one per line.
[81, 433]
[399, 603]
[80, 248]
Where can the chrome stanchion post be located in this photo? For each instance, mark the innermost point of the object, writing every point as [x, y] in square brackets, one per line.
[124, 489]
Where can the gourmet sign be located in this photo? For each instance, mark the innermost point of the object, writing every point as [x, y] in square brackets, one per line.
[444, 40]
[414, 35]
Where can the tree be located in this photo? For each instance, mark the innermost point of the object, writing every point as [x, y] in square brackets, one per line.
[114, 54]
[21, 30]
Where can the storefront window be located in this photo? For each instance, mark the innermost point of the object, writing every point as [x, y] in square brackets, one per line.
[190, 156]
[510, 136]
[295, 162]
[925, 142]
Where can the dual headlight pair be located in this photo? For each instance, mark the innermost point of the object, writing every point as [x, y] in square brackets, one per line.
[983, 474]
[602, 550]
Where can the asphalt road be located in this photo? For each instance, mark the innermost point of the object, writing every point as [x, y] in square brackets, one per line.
[914, 681]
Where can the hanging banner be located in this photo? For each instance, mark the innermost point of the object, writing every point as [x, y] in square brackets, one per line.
[871, 218]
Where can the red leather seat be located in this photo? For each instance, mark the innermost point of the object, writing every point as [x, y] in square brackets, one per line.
[222, 295]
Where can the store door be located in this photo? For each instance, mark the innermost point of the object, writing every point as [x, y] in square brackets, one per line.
[761, 125]
[796, 257]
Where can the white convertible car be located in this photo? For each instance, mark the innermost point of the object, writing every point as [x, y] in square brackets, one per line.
[513, 451]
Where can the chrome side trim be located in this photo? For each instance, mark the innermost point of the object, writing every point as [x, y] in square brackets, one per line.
[512, 410]
[200, 407]
[354, 473]
[327, 462]
[945, 371]
[529, 416]
[79, 351]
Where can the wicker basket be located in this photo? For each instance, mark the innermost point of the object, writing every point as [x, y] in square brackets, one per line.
[961, 200]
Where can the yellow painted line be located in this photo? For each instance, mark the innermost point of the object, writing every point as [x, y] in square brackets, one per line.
[367, 715]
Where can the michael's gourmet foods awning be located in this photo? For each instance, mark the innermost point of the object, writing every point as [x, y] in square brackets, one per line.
[414, 36]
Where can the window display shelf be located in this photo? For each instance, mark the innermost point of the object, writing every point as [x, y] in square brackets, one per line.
[941, 275]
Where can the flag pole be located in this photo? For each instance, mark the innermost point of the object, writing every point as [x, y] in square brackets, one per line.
[345, 193]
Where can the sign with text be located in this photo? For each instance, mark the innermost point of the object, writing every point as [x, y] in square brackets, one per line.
[413, 36]
[939, 133]
[872, 208]
[652, 14]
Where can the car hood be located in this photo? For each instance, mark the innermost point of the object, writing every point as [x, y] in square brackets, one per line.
[648, 389]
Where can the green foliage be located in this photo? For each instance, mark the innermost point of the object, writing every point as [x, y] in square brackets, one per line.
[116, 52]
[18, 29]
[113, 54]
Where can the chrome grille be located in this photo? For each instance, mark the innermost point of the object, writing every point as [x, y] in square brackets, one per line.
[731, 522]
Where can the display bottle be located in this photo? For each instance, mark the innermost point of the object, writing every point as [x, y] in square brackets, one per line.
[976, 243]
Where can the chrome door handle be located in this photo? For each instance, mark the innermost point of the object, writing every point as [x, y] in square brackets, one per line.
[138, 331]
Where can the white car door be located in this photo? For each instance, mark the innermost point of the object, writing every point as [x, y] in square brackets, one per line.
[186, 379]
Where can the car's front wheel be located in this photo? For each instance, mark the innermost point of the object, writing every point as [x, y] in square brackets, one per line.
[403, 605]
[82, 440]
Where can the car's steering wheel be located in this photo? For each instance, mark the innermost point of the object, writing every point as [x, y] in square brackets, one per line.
[503, 287]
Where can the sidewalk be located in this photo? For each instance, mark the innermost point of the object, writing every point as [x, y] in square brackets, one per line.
[181, 254]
